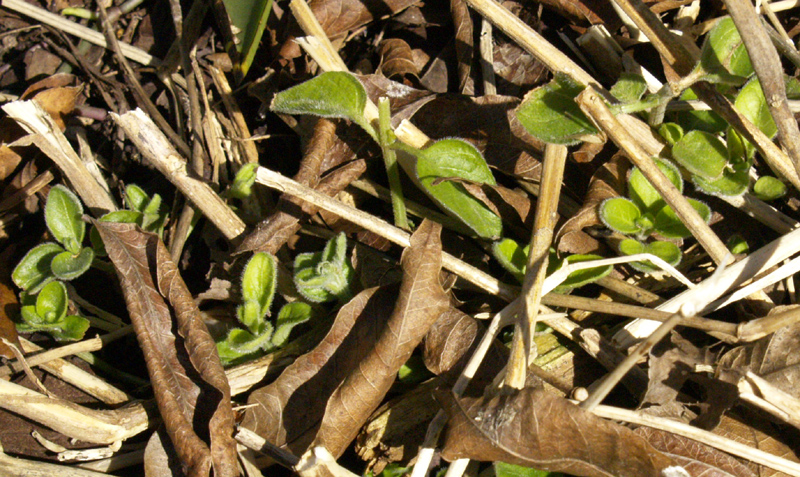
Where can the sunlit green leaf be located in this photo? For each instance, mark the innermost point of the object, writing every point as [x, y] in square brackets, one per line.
[732, 183]
[66, 266]
[708, 121]
[136, 198]
[455, 158]
[620, 214]
[667, 251]
[333, 94]
[511, 256]
[551, 115]
[325, 276]
[258, 288]
[291, 315]
[753, 105]
[501, 469]
[669, 225]
[737, 245]
[243, 183]
[629, 87]
[702, 154]
[33, 271]
[672, 132]
[642, 192]
[724, 52]
[578, 278]
[769, 188]
[63, 213]
[51, 302]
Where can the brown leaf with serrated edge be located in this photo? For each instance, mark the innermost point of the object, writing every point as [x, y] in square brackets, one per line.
[304, 401]
[397, 58]
[533, 428]
[420, 302]
[607, 182]
[188, 381]
[697, 458]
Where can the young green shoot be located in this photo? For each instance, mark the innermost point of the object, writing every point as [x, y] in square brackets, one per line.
[386, 138]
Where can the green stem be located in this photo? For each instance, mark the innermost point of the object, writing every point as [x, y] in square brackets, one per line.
[671, 91]
[386, 137]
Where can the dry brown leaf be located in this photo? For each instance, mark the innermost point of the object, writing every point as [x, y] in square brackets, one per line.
[448, 340]
[9, 304]
[397, 58]
[188, 380]
[462, 22]
[698, 459]
[327, 394]
[533, 428]
[759, 433]
[516, 70]
[56, 94]
[419, 303]
[340, 16]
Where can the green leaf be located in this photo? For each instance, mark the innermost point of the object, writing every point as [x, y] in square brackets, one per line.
[551, 115]
[708, 121]
[769, 188]
[702, 154]
[739, 149]
[258, 289]
[642, 192]
[291, 315]
[501, 469]
[667, 251]
[724, 52]
[248, 18]
[67, 266]
[240, 344]
[33, 271]
[670, 226]
[629, 88]
[123, 217]
[63, 213]
[413, 371]
[672, 132]
[325, 276]
[511, 256]
[454, 158]
[738, 245]
[621, 215]
[578, 278]
[243, 183]
[72, 328]
[732, 183]
[753, 105]
[136, 198]
[333, 94]
[51, 302]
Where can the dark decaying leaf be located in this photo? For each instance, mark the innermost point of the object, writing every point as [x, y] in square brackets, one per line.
[326, 395]
[448, 340]
[698, 459]
[188, 380]
[340, 16]
[533, 428]
[9, 304]
[397, 58]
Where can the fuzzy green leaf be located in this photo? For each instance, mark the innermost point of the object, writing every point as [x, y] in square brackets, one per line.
[291, 315]
[753, 105]
[51, 302]
[136, 198]
[67, 266]
[33, 271]
[551, 115]
[732, 183]
[258, 289]
[708, 121]
[702, 154]
[454, 158]
[670, 226]
[642, 192]
[667, 251]
[629, 87]
[621, 215]
[72, 328]
[671, 132]
[325, 276]
[769, 188]
[511, 256]
[240, 344]
[63, 213]
[333, 94]
[123, 216]
[243, 182]
[737, 245]
[724, 52]
[578, 278]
